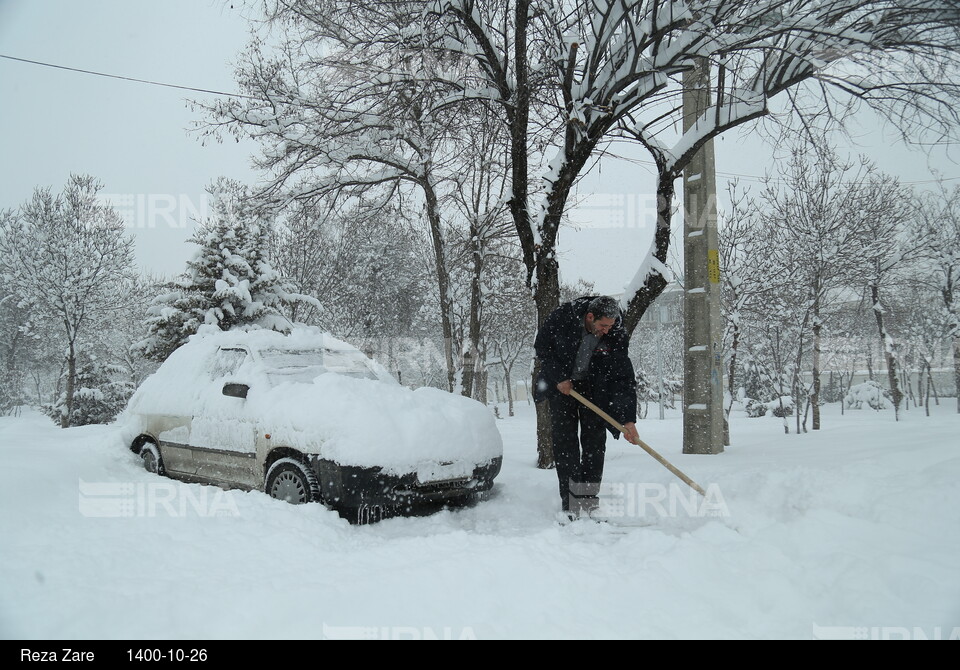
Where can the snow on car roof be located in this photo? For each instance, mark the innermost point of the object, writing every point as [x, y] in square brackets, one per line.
[302, 337]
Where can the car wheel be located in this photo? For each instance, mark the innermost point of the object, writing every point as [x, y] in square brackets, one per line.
[292, 481]
[152, 461]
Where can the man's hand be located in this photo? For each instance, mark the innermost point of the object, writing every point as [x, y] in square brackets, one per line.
[565, 387]
[630, 432]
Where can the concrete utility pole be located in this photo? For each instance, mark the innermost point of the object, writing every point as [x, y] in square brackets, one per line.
[703, 419]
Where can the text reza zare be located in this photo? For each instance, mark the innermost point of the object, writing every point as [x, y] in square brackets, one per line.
[64, 655]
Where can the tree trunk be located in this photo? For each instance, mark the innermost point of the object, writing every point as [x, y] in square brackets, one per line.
[846, 391]
[37, 383]
[518, 115]
[815, 396]
[843, 392]
[655, 283]
[67, 413]
[798, 392]
[956, 370]
[472, 361]
[920, 384]
[731, 373]
[547, 298]
[541, 273]
[443, 280]
[887, 344]
[480, 378]
[509, 385]
[467, 368]
[544, 434]
[905, 383]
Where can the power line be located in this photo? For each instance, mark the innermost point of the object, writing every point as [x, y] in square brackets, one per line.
[250, 97]
[116, 76]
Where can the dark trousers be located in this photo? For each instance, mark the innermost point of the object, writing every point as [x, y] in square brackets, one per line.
[578, 457]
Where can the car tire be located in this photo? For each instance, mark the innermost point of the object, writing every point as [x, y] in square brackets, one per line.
[152, 460]
[291, 481]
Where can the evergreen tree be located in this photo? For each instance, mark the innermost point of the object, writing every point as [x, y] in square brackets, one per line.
[229, 283]
[99, 396]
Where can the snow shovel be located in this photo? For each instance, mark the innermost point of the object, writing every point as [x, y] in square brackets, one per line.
[640, 443]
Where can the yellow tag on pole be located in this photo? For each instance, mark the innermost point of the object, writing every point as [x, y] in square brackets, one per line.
[713, 265]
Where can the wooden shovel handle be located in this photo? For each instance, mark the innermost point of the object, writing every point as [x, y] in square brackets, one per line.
[640, 443]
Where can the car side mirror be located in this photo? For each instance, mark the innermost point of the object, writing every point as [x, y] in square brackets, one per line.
[236, 390]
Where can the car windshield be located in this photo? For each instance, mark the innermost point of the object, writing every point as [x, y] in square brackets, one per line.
[304, 365]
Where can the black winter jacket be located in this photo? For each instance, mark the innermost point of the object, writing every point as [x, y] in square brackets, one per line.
[613, 382]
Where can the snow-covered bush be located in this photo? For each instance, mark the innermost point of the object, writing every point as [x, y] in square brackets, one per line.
[755, 408]
[782, 407]
[869, 393]
[97, 398]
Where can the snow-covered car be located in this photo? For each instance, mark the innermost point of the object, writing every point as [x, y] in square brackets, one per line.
[306, 417]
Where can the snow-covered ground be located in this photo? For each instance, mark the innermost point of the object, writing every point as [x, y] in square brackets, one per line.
[848, 532]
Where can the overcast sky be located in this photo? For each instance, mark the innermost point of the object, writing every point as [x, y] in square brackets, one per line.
[133, 136]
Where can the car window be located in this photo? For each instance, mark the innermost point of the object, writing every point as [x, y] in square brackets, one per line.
[288, 359]
[225, 362]
[347, 362]
[304, 365]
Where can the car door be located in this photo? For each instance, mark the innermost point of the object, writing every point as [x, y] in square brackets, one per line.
[173, 434]
[222, 434]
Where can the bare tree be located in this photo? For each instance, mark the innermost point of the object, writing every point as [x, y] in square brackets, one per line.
[816, 202]
[18, 334]
[510, 316]
[314, 246]
[568, 79]
[938, 220]
[883, 212]
[68, 255]
[341, 111]
[751, 276]
[613, 68]
[484, 250]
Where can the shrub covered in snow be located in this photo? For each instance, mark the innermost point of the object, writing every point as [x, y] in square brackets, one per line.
[869, 393]
[98, 398]
[782, 407]
[755, 408]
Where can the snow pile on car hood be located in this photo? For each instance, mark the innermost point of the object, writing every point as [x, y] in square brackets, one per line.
[371, 423]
